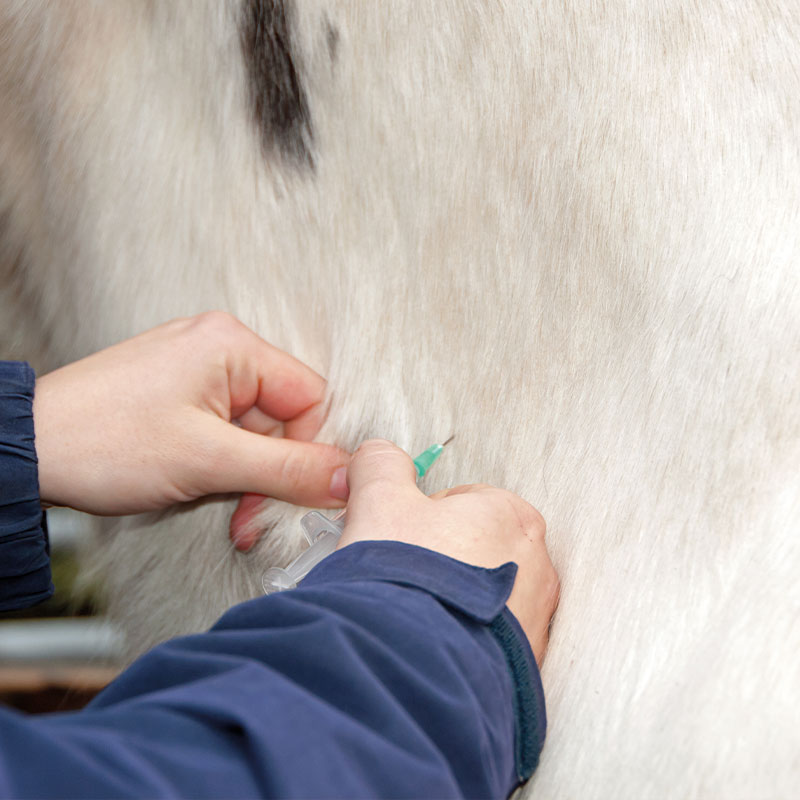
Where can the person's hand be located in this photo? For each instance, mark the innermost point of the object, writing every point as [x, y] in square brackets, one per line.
[476, 524]
[147, 423]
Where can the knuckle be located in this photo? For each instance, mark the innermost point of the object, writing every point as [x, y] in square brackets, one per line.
[377, 494]
[378, 486]
[210, 335]
[373, 451]
[293, 471]
[528, 517]
[497, 497]
[178, 323]
[537, 521]
[215, 322]
[552, 586]
[374, 446]
[466, 488]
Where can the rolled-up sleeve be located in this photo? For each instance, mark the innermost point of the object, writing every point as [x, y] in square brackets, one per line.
[24, 552]
[392, 671]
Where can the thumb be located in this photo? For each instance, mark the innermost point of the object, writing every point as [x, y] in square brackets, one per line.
[286, 469]
[382, 478]
[380, 463]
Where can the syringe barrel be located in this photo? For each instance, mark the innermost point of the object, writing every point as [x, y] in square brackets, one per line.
[322, 535]
[314, 524]
[324, 545]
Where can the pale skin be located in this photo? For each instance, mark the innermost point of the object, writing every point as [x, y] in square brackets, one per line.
[149, 423]
[477, 524]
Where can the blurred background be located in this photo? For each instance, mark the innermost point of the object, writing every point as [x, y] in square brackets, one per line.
[58, 655]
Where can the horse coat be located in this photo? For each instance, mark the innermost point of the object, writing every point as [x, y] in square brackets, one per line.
[569, 234]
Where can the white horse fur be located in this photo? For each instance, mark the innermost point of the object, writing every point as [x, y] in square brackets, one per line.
[567, 233]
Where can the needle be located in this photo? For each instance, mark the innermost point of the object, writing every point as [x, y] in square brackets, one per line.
[424, 461]
[323, 534]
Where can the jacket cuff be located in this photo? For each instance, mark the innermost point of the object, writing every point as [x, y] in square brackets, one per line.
[476, 592]
[24, 548]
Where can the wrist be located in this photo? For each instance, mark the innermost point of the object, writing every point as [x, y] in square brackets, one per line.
[43, 441]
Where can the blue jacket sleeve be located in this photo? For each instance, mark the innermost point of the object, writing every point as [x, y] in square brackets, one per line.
[392, 671]
[24, 553]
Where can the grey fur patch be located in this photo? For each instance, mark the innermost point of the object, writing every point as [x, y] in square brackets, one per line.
[332, 40]
[279, 103]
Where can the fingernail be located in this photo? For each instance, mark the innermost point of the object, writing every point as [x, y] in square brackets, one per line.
[339, 484]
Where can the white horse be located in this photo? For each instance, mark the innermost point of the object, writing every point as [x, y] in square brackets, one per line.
[569, 233]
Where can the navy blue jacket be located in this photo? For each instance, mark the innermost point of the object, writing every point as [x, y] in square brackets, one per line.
[392, 671]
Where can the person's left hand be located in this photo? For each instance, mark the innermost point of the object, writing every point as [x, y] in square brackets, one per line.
[147, 423]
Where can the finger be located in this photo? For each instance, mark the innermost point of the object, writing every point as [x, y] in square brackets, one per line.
[377, 460]
[278, 384]
[305, 426]
[256, 421]
[297, 472]
[243, 530]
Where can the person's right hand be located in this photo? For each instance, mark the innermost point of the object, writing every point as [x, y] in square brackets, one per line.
[477, 524]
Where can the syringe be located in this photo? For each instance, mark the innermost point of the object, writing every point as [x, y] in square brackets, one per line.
[322, 534]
